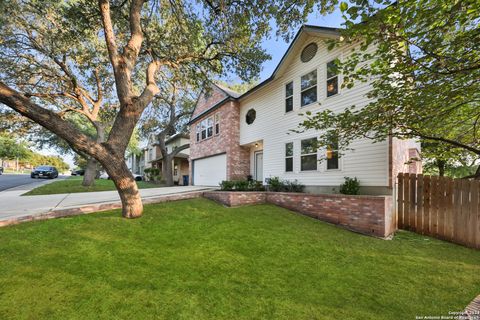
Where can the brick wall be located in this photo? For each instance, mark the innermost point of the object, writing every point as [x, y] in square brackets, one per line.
[235, 199]
[227, 141]
[372, 215]
[206, 101]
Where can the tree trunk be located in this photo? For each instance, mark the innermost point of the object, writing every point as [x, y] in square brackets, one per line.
[167, 168]
[90, 173]
[123, 179]
[441, 167]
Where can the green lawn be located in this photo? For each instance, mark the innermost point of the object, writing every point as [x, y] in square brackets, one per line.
[74, 185]
[195, 259]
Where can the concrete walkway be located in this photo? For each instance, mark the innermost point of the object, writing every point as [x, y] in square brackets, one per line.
[13, 206]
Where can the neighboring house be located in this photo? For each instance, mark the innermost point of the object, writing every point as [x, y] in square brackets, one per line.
[152, 157]
[236, 136]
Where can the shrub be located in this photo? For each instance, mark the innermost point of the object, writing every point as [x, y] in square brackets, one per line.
[350, 186]
[153, 174]
[241, 185]
[275, 184]
[294, 186]
[227, 185]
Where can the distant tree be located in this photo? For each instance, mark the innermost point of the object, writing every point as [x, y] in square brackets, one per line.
[422, 59]
[240, 87]
[12, 149]
[167, 116]
[144, 41]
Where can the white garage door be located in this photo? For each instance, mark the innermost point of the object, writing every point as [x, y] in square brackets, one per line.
[210, 171]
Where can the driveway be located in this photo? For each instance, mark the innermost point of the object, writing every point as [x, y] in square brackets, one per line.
[8, 181]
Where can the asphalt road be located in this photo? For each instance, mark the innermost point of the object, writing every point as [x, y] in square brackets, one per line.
[8, 181]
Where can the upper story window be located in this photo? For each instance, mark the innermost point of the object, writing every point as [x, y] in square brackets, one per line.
[150, 154]
[205, 129]
[289, 157]
[332, 154]
[217, 123]
[332, 79]
[197, 132]
[308, 159]
[289, 97]
[209, 127]
[309, 88]
[203, 126]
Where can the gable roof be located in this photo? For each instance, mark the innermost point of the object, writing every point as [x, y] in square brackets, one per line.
[305, 30]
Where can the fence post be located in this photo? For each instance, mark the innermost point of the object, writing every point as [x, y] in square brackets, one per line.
[420, 224]
[406, 201]
[400, 221]
[426, 205]
[476, 212]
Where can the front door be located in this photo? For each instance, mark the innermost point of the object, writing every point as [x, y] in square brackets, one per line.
[259, 166]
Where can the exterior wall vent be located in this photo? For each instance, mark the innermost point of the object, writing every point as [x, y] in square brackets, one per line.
[309, 52]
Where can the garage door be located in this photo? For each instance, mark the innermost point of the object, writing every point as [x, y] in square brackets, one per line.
[210, 171]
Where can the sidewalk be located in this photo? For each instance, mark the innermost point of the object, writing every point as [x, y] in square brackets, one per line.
[14, 207]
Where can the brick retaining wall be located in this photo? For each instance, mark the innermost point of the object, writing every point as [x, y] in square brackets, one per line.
[372, 215]
[235, 199]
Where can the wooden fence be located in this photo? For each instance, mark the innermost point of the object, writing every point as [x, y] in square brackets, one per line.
[440, 207]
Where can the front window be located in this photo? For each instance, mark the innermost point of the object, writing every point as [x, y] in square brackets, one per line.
[197, 132]
[309, 154]
[332, 79]
[209, 127]
[289, 157]
[332, 154]
[309, 88]
[217, 124]
[175, 170]
[289, 97]
[204, 129]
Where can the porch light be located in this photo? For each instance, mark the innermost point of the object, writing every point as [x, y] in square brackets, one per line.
[256, 145]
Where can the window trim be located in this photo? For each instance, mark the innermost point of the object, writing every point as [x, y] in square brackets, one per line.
[290, 96]
[216, 124]
[327, 78]
[289, 157]
[306, 89]
[308, 154]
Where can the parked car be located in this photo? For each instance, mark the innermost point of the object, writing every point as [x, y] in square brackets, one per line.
[104, 175]
[1, 171]
[44, 172]
[78, 172]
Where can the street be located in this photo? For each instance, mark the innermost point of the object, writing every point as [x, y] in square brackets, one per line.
[8, 181]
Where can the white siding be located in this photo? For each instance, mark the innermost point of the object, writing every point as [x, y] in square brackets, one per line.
[368, 162]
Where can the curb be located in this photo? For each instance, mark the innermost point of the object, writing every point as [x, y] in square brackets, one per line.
[69, 212]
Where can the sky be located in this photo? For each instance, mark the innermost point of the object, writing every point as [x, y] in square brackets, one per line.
[275, 46]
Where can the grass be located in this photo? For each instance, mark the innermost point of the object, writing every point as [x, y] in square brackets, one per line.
[195, 259]
[74, 185]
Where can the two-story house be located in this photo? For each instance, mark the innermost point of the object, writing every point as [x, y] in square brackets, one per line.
[236, 136]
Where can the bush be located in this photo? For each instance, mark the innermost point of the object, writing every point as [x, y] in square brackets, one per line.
[350, 186]
[241, 185]
[152, 174]
[275, 184]
[294, 186]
